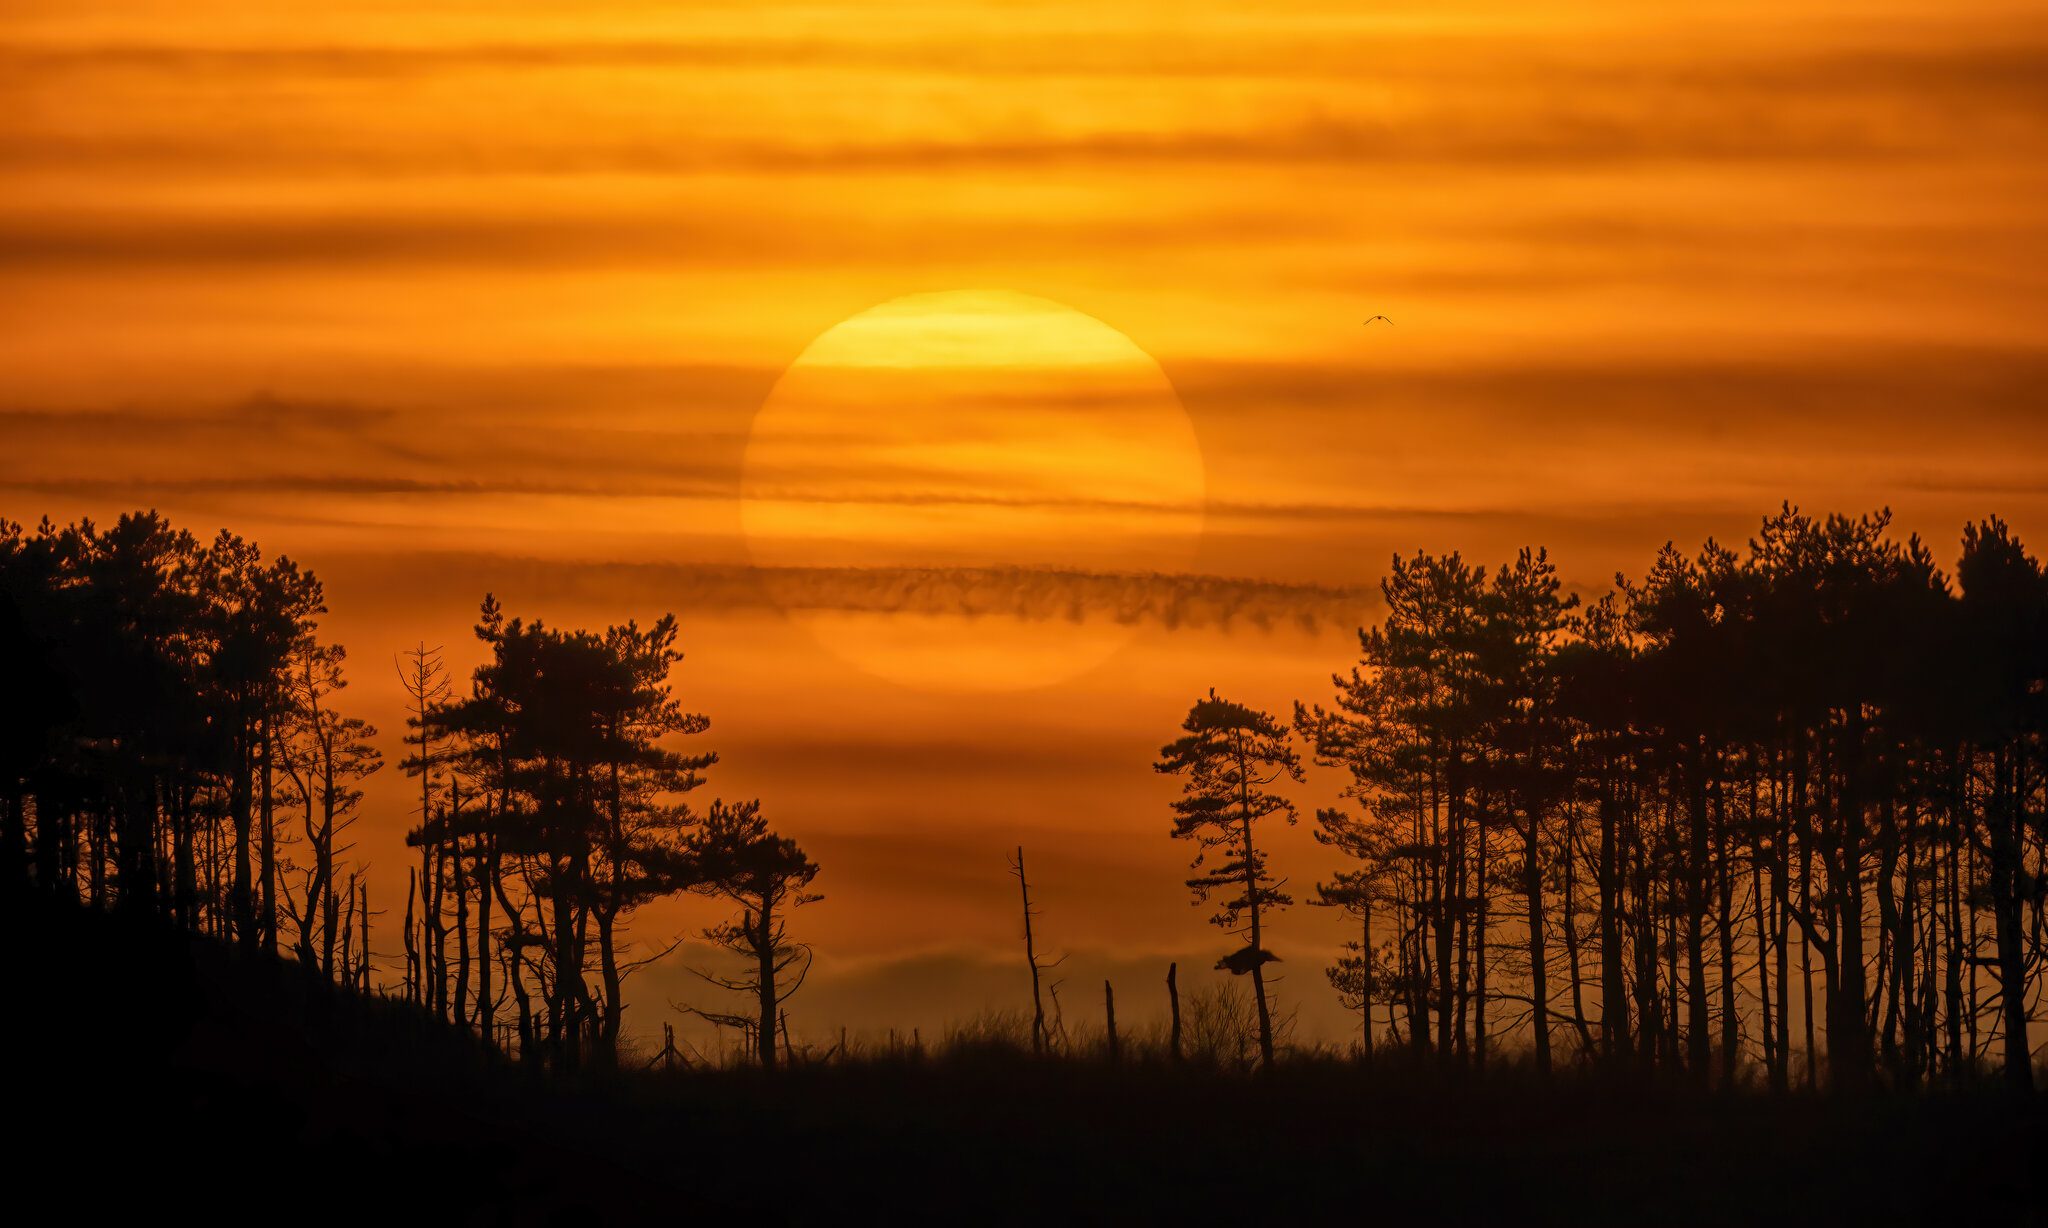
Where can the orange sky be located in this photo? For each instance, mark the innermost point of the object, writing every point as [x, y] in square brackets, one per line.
[442, 299]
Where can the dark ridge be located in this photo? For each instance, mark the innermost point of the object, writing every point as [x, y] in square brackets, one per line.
[172, 1071]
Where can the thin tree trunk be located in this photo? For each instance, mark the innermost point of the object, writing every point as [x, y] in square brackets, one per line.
[267, 816]
[239, 805]
[1173, 1005]
[1481, 922]
[459, 872]
[1251, 891]
[363, 920]
[1109, 1017]
[2007, 842]
[412, 947]
[1366, 987]
[1731, 1036]
[1614, 1024]
[1031, 960]
[437, 927]
[764, 950]
[486, 1005]
[1697, 872]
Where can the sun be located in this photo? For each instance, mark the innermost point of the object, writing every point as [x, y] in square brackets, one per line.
[941, 435]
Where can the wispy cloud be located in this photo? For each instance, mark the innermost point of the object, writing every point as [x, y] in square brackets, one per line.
[1356, 99]
[1161, 599]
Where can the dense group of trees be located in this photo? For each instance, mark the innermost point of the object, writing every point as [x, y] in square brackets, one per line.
[552, 799]
[173, 748]
[1780, 810]
[1753, 795]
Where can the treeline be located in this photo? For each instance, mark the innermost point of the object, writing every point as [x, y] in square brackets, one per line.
[1801, 781]
[172, 745]
[552, 808]
[173, 749]
[1777, 810]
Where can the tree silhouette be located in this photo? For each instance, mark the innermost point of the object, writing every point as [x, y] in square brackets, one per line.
[151, 701]
[1038, 1030]
[564, 810]
[736, 857]
[2004, 626]
[1737, 755]
[324, 756]
[1227, 756]
[423, 674]
[1777, 807]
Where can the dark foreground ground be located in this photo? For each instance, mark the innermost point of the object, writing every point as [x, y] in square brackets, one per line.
[162, 1077]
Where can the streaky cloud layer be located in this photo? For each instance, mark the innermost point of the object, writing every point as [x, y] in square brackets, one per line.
[485, 297]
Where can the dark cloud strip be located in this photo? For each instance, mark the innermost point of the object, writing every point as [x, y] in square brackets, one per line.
[1987, 54]
[1917, 378]
[1562, 139]
[136, 238]
[1508, 108]
[1855, 400]
[1162, 599]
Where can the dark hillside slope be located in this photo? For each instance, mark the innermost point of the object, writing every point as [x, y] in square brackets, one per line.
[159, 1071]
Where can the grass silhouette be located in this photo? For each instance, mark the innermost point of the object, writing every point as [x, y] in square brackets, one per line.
[178, 1064]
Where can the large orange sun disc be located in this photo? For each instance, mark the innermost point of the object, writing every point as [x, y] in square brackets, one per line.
[969, 434]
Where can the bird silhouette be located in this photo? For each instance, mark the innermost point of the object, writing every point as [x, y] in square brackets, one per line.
[1390, 323]
[1244, 959]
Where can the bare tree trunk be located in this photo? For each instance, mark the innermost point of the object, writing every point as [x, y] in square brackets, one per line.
[348, 935]
[568, 965]
[1781, 900]
[1803, 816]
[487, 869]
[1460, 1034]
[1697, 870]
[1109, 1015]
[1440, 882]
[515, 921]
[614, 996]
[1539, 984]
[1759, 909]
[1848, 1030]
[1569, 924]
[239, 806]
[1258, 947]
[1909, 953]
[764, 951]
[1367, 985]
[1031, 959]
[1731, 1036]
[437, 928]
[363, 920]
[1173, 1004]
[1649, 1003]
[1614, 1024]
[1481, 923]
[187, 865]
[266, 815]
[1674, 1058]
[460, 873]
[2007, 842]
[1953, 986]
[412, 946]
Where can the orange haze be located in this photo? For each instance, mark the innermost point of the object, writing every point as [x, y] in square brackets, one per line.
[450, 298]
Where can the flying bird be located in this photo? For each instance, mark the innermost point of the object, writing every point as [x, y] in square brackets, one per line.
[1390, 323]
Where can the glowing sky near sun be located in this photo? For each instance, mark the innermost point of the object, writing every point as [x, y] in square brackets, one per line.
[969, 431]
[447, 298]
